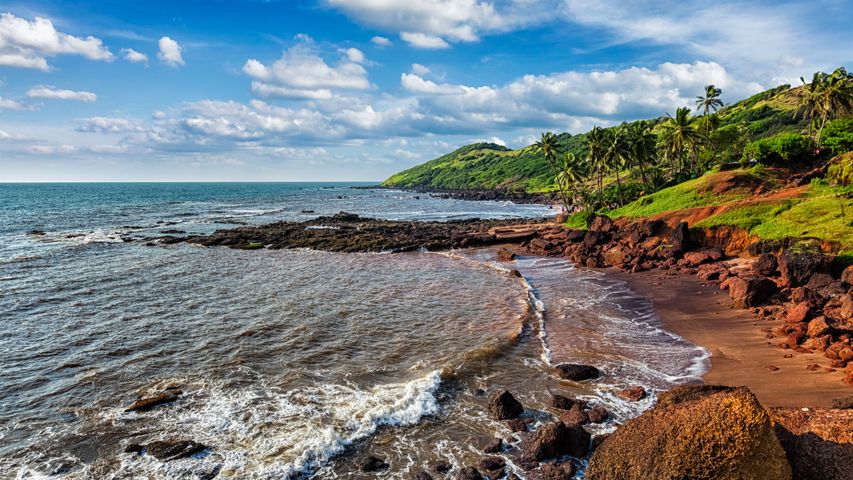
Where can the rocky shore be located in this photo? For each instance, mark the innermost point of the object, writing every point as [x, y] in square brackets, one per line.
[496, 194]
[805, 301]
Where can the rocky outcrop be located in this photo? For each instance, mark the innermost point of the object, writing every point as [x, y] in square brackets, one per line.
[576, 372]
[697, 433]
[168, 395]
[503, 406]
[167, 451]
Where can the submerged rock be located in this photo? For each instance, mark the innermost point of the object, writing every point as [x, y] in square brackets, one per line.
[503, 406]
[469, 473]
[696, 432]
[372, 464]
[170, 394]
[576, 372]
[167, 451]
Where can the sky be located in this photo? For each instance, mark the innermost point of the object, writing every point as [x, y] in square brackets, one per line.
[355, 90]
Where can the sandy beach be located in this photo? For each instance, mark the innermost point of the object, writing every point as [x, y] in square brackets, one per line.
[740, 352]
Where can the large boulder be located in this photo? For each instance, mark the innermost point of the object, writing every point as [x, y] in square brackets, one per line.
[576, 372]
[796, 269]
[503, 406]
[555, 440]
[750, 291]
[697, 432]
[765, 265]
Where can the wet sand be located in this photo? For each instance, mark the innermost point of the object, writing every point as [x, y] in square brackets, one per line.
[740, 351]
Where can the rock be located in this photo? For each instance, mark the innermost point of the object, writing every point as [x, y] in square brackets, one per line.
[565, 403]
[422, 475]
[845, 310]
[442, 467]
[818, 327]
[797, 313]
[503, 406]
[517, 425]
[803, 294]
[167, 451]
[372, 464]
[751, 291]
[37, 233]
[469, 473]
[514, 273]
[576, 372]
[492, 464]
[711, 271]
[695, 432]
[600, 223]
[555, 471]
[555, 440]
[574, 416]
[505, 255]
[698, 257]
[168, 395]
[616, 257]
[843, 403]
[847, 275]
[679, 237]
[796, 269]
[494, 445]
[597, 414]
[634, 394]
[765, 265]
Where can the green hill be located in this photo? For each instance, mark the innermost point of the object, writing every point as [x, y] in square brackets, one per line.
[484, 166]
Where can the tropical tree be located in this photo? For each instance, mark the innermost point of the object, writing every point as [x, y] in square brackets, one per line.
[549, 146]
[678, 136]
[572, 176]
[596, 157]
[711, 100]
[827, 96]
[640, 146]
[617, 157]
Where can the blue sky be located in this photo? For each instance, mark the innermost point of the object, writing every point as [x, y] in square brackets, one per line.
[359, 89]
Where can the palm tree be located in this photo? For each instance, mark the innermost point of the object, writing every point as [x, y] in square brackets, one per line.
[596, 143]
[640, 143]
[617, 156]
[826, 96]
[572, 173]
[550, 149]
[678, 134]
[711, 100]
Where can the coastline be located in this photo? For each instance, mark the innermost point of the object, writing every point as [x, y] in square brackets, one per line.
[740, 351]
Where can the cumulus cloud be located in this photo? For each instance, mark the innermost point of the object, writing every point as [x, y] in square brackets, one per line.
[417, 84]
[52, 93]
[170, 52]
[133, 56]
[423, 40]
[380, 41]
[9, 104]
[419, 69]
[108, 125]
[301, 73]
[435, 23]
[27, 43]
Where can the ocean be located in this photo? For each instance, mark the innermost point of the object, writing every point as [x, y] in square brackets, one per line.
[293, 363]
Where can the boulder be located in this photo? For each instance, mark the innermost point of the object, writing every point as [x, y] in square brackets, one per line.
[796, 269]
[750, 291]
[503, 406]
[517, 425]
[555, 440]
[616, 257]
[710, 272]
[634, 394]
[506, 255]
[422, 475]
[765, 265]
[555, 471]
[847, 276]
[574, 416]
[576, 372]
[698, 257]
[494, 445]
[600, 223]
[565, 403]
[818, 327]
[167, 451]
[797, 313]
[679, 237]
[597, 414]
[491, 464]
[697, 432]
[469, 473]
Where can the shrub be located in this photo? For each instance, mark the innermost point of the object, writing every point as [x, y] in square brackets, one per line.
[782, 148]
[838, 136]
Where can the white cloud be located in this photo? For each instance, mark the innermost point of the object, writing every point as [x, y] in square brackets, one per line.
[52, 93]
[419, 69]
[109, 125]
[9, 104]
[435, 23]
[415, 83]
[27, 44]
[170, 52]
[300, 73]
[423, 40]
[133, 56]
[380, 41]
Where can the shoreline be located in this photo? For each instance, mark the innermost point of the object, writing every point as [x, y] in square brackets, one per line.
[740, 351]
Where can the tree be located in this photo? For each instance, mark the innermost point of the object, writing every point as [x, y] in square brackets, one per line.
[549, 146]
[827, 96]
[640, 145]
[617, 157]
[678, 135]
[711, 100]
[597, 145]
[572, 175]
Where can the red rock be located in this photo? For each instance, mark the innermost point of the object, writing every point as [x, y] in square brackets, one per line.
[699, 257]
[751, 291]
[503, 406]
[555, 471]
[634, 394]
[797, 313]
[772, 368]
[597, 414]
[505, 255]
[818, 327]
[765, 265]
[555, 440]
[813, 367]
[574, 416]
[847, 275]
